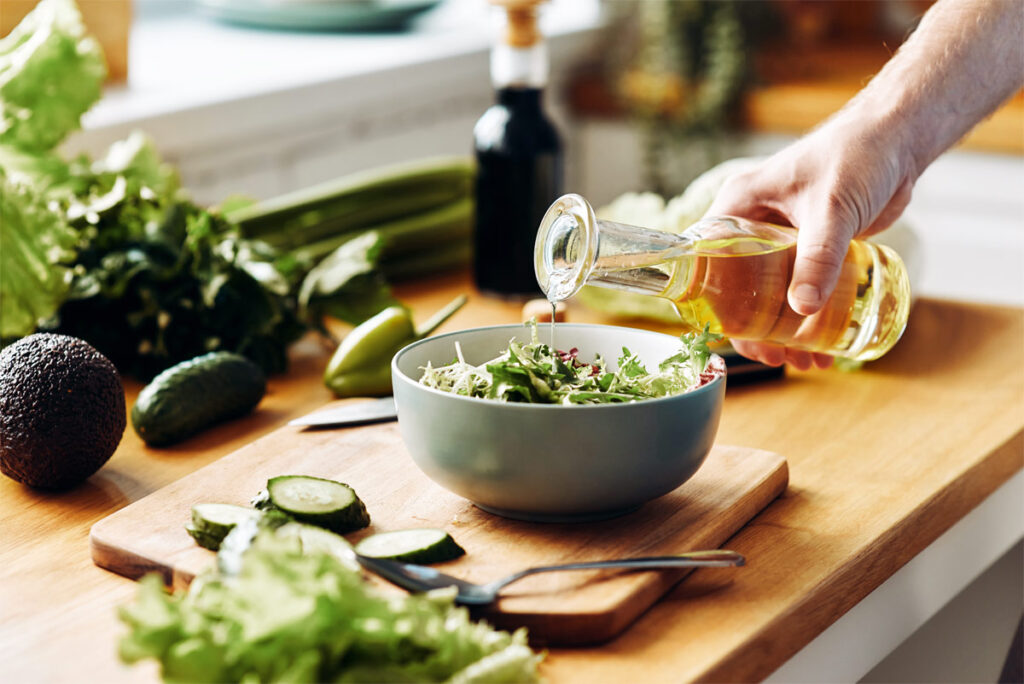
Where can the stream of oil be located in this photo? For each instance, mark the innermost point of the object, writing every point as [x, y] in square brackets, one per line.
[552, 326]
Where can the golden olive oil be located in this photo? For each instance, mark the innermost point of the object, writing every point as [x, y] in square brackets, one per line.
[738, 287]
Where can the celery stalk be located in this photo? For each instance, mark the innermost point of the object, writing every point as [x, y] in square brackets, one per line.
[452, 221]
[356, 201]
[444, 257]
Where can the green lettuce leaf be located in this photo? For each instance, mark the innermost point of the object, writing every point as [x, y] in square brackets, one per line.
[43, 172]
[296, 616]
[136, 158]
[51, 72]
[35, 245]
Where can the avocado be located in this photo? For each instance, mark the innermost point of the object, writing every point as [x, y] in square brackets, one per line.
[62, 410]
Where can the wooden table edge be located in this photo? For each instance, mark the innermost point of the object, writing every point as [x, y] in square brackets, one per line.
[823, 605]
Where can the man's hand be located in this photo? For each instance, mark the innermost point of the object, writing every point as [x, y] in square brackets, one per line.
[834, 188]
[854, 175]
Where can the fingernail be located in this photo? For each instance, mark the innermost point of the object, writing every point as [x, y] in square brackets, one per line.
[807, 294]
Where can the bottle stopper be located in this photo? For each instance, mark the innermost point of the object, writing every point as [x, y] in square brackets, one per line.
[521, 29]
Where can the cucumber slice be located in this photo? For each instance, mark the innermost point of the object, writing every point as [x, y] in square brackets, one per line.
[211, 522]
[315, 538]
[324, 503]
[411, 546]
[204, 539]
[218, 519]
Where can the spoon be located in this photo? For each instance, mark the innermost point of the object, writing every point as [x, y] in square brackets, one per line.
[422, 578]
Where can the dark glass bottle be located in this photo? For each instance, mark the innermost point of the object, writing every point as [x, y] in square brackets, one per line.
[519, 160]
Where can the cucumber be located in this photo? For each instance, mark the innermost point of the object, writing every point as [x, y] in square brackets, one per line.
[197, 394]
[411, 546]
[211, 522]
[218, 518]
[324, 503]
[315, 538]
[204, 539]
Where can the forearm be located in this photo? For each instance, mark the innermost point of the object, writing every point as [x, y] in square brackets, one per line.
[964, 59]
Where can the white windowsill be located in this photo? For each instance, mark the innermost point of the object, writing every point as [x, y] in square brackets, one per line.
[258, 112]
[188, 60]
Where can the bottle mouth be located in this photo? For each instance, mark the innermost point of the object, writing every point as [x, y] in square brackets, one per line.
[566, 248]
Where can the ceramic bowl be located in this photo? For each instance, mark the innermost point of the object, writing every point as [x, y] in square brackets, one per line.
[552, 462]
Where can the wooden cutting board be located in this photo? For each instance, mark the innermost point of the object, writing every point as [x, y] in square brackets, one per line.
[576, 607]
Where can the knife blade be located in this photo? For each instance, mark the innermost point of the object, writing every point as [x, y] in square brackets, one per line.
[361, 413]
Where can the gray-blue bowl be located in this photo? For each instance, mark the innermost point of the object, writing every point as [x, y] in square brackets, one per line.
[551, 462]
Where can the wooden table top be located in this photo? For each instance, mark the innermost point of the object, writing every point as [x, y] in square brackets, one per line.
[882, 462]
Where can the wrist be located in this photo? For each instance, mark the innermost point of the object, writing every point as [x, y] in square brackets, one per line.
[958, 66]
[887, 125]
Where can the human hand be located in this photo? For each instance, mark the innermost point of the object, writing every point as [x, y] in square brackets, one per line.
[853, 176]
[844, 180]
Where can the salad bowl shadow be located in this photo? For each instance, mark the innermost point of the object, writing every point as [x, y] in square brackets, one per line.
[554, 463]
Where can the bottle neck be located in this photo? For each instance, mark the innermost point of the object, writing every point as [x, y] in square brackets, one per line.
[519, 67]
[520, 98]
[575, 248]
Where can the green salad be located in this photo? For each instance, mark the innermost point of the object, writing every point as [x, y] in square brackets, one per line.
[535, 373]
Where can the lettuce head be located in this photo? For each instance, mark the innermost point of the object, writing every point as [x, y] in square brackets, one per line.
[35, 243]
[51, 72]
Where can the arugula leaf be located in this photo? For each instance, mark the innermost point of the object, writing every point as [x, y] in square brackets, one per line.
[534, 373]
[630, 366]
[51, 72]
[290, 615]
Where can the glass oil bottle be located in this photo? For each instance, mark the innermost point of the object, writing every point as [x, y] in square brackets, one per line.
[729, 273]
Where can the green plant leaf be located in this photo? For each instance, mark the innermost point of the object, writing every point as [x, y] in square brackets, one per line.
[301, 615]
[51, 72]
[35, 248]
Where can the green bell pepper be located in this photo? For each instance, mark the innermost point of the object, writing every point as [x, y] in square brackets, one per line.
[361, 366]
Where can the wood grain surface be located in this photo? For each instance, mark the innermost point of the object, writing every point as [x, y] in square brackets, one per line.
[732, 486]
[882, 462]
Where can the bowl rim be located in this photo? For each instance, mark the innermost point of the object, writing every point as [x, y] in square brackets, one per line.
[396, 372]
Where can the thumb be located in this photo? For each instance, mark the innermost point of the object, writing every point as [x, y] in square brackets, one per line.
[820, 250]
